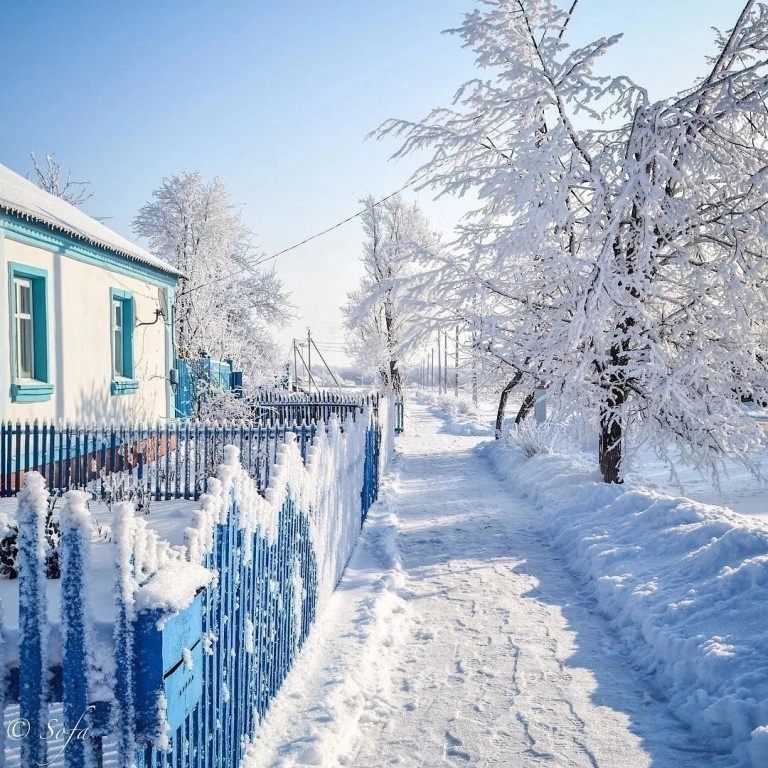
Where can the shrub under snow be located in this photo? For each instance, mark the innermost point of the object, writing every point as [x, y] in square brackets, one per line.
[531, 437]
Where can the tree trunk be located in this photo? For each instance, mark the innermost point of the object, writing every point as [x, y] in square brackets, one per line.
[503, 402]
[526, 406]
[394, 377]
[384, 375]
[611, 437]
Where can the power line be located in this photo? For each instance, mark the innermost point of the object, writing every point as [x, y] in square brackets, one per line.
[309, 239]
[341, 223]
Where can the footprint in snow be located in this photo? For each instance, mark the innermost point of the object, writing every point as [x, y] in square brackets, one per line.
[453, 747]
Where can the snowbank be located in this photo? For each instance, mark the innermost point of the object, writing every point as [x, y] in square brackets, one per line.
[684, 583]
[354, 651]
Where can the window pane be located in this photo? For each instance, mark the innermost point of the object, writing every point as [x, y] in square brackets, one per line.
[117, 307]
[23, 297]
[118, 351]
[24, 348]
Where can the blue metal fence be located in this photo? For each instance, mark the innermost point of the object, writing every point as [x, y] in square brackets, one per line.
[169, 460]
[191, 687]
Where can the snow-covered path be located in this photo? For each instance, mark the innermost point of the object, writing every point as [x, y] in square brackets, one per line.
[458, 637]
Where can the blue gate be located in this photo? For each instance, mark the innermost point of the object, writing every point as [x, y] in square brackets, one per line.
[197, 378]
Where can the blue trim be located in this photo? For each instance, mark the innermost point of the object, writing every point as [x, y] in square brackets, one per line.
[123, 386]
[41, 236]
[33, 392]
[40, 389]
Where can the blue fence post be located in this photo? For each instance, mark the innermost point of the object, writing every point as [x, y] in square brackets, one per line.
[33, 619]
[124, 535]
[18, 456]
[2, 687]
[83, 750]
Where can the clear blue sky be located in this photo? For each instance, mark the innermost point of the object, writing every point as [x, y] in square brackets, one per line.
[276, 99]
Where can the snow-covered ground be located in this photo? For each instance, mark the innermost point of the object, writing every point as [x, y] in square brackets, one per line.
[740, 490]
[459, 415]
[458, 635]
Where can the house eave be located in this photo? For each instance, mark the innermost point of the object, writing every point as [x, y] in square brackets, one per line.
[25, 215]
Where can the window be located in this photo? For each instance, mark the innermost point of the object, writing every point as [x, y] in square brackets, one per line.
[121, 324]
[118, 348]
[25, 345]
[29, 334]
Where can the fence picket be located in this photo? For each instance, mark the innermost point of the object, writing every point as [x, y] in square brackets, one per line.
[33, 623]
[83, 751]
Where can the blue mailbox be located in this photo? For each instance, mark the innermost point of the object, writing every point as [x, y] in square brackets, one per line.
[168, 661]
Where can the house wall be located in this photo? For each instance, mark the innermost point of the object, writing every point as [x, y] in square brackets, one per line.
[79, 333]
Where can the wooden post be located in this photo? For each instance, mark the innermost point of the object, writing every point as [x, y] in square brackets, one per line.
[124, 538]
[432, 369]
[309, 357]
[295, 369]
[75, 622]
[33, 619]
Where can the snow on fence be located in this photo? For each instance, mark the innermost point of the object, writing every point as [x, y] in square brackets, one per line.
[177, 666]
[171, 460]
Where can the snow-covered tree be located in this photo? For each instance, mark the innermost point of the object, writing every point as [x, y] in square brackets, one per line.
[226, 307]
[51, 179]
[619, 241]
[376, 320]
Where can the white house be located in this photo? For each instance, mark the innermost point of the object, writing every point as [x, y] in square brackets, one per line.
[86, 333]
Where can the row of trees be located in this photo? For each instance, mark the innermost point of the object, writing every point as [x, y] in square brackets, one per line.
[617, 253]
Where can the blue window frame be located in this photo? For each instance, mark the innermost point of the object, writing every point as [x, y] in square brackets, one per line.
[122, 323]
[30, 375]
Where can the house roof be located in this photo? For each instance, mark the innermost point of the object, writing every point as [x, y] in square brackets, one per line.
[22, 198]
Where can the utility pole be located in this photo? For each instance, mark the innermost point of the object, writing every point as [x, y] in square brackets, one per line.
[327, 367]
[310, 380]
[456, 366]
[295, 369]
[445, 362]
[439, 372]
[309, 355]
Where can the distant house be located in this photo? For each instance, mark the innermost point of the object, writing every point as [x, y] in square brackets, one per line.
[86, 334]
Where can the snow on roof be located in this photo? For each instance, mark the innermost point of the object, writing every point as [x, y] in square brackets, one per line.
[21, 197]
